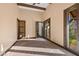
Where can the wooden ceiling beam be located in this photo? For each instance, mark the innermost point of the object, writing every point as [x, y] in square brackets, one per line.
[31, 6]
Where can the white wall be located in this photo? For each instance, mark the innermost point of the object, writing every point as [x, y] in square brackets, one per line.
[55, 11]
[8, 24]
[30, 16]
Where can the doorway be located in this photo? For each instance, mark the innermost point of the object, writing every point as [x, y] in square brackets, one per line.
[39, 29]
[71, 28]
[21, 28]
[43, 29]
[47, 29]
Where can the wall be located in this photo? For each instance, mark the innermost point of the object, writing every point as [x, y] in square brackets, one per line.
[8, 22]
[55, 12]
[8, 25]
[30, 16]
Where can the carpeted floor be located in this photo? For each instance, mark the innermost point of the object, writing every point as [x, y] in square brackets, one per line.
[36, 47]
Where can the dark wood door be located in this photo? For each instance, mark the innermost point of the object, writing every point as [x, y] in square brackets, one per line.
[21, 29]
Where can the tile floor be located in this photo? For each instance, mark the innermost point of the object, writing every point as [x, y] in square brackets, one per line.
[36, 47]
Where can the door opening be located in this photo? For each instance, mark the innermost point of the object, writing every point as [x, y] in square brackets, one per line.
[47, 29]
[21, 28]
[39, 29]
[43, 29]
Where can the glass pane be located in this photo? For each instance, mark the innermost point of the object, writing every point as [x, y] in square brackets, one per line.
[72, 35]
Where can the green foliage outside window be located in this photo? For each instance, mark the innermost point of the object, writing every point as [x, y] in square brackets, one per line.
[72, 34]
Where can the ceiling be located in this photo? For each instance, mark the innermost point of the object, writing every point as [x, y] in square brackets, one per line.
[44, 5]
[33, 6]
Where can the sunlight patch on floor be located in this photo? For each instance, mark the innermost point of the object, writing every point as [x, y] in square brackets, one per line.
[39, 39]
[48, 50]
[20, 54]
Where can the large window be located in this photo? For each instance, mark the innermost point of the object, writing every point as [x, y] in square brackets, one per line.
[71, 28]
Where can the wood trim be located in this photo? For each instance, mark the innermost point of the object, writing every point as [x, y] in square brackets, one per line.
[20, 27]
[31, 6]
[65, 29]
[73, 7]
[48, 20]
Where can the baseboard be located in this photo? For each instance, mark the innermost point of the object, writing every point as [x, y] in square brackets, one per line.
[62, 47]
[14, 44]
[8, 49]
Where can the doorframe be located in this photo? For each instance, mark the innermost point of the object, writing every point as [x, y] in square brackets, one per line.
[49, 19]
[18, 30]
[66, 11]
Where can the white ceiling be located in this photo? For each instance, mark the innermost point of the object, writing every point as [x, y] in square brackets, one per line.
[44, 5]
